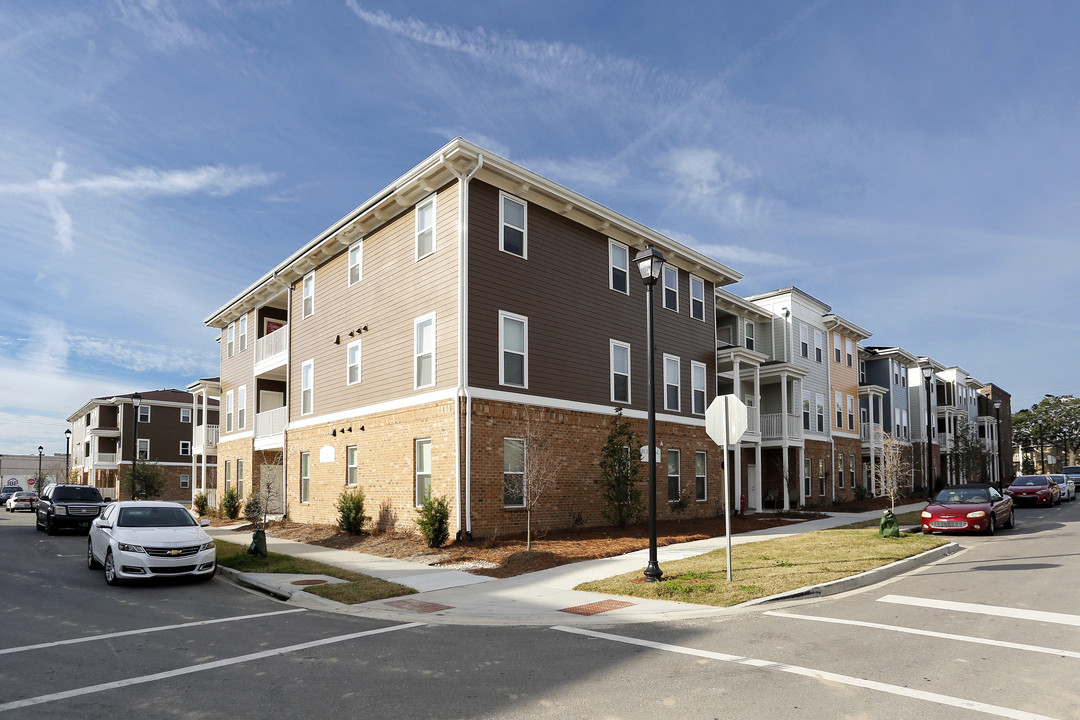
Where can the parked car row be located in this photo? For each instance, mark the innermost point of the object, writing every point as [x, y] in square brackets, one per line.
[981, 508]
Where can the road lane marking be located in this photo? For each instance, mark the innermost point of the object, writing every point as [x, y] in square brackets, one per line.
[816, 674]
[169, 674]
[931, 633]
[995, 610]
[160, 628]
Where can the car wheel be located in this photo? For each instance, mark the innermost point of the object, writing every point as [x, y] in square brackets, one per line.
[49, 528]
[1058, 500]
[991, 527]
[91, 563]
[37, 523]
[1011, 522]
[110, 570]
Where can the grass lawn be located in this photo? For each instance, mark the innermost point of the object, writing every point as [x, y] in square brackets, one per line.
[359, 588]
[907, 519]
[760, 569]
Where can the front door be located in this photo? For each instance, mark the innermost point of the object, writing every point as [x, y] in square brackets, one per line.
[752, 487]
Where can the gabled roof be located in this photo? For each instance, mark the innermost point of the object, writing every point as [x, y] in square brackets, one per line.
[162, 397]
[792, 290]
[835, 322]
[895, 352]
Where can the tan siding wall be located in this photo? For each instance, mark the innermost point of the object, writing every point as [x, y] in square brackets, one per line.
[563, 289]
[236, 371]
[395, 290]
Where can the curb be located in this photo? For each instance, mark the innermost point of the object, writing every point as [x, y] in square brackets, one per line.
[242, 579]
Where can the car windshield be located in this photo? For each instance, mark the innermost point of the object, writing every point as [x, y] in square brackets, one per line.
[27, 495]
[76, 494]
[963, 495]
[1071, 469]
[155, 517]
[1030, 481]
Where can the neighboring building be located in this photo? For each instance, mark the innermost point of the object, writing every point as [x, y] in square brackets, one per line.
[205, 394]
[104, 435]
[885, 407]
[403, 350]
[995, 429]
[846, 430]
[21, 469]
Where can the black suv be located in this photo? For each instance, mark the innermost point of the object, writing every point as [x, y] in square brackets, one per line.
[68, 506]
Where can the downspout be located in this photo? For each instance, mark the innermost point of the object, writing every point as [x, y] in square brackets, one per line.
[464, 519]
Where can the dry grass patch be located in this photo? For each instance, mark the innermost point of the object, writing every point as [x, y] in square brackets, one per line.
[359, 588]
[760, 569]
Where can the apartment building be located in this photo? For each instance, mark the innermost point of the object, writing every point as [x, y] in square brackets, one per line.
[405, 349]
[105, 433]
[885, 407]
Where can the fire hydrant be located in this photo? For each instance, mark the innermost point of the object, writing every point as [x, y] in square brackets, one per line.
[742, 505]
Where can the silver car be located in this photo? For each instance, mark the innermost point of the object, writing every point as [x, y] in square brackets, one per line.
[1068, 486]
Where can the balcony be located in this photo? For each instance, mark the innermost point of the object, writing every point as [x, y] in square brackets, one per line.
[271, 423]
[866, 428]
[772, 427]
[271, 352]
[103, 461]
[206, 437]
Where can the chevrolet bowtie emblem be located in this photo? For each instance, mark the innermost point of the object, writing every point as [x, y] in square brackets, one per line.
[174, 552]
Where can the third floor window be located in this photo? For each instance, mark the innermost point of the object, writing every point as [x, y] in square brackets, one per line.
[619, 261]
[425, 227]
[513, 233]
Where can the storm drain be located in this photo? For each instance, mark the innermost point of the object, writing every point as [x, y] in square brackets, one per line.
[312, 581]
[419, 606]
[595, 608]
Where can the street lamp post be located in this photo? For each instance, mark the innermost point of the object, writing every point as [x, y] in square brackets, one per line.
[67, 455]
[650, 262]
[997, 433]
[40, 454]
[136, 400]
[928, 375]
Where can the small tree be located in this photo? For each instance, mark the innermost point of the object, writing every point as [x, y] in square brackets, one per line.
[145, 483]
[967, 456]
[434, 520]
[892, 468]
[230, 504]
[253, 510]
[350, 507]
[541, 466]
[619, 481]
[201, 503]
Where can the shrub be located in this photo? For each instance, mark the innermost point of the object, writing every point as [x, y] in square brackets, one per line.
[679, 506]
[350, 507]
[253, 509]
[434, 520]
[201, 502]
[620, 488]
[230, 504]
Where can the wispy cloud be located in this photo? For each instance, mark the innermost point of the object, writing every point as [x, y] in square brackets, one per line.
[734, 255]
[715, 185]
[160, 23]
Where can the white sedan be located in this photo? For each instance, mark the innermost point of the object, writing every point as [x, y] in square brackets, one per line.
[1068, 487]
[140, 539]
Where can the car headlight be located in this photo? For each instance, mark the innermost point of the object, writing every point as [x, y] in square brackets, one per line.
[130, 548]
[207, 546]
[59, 510]
[926, 514]
[977, 514]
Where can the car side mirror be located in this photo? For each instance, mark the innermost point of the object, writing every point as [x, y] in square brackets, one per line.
[108, 499]
[101, 523]
[204, 522]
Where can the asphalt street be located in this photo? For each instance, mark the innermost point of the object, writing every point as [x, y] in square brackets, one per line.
[992, 631]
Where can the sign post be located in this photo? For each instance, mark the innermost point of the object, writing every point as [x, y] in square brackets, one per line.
[725, 422]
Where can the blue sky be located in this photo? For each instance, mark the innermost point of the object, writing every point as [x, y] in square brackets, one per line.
[915, 164]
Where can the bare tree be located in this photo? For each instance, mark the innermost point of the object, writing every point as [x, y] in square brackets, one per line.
[892, 467]
[531, 468]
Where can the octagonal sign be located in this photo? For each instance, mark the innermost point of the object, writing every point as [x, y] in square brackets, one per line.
[733, 430]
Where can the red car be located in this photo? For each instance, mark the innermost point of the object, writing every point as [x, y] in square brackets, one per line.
[968, 508]
[1035, 489]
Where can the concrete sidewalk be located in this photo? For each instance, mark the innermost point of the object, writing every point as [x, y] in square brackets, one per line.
[546, 597]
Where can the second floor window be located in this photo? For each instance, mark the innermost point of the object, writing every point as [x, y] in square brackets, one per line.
[513, 238]
[671, 383]
[229, 411]
[309, 294]
[840, 411]
[671, 288]
[425, 228]
[806, 411]
[424, 351]
[749, 336]
[850, 412]
[619, 261]
[144, 449]
[513, 347]
[697, 298]
[697, 387]
[620, 372]
[820, 413]
[307, 387]
[185, 447]
[241, 407]
[356, 262]
[352, 362]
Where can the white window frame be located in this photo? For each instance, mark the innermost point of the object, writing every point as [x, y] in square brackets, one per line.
[230, 340]
[667, 382]
[417, 230]
[804, 341]
[143, 448]
[837, 347]
[613, 266]
[503, 223]
[673, 453]
[308, 295]
[418, 473]
[697, 298]
[305, 477]
[351, 466]
[840, 472]
[838, 398]
[808, 476]
[612, 345]
[507, 471]
[749, 333]
[819, 346]
[185, 415]
[144, 413]
[820, 399]
[241, 407]
[240, 479]
[355, 263]
[230, 409]
[503, 350]
[667, 273]
[352, 360]
[851, 412]
[807, 415]
[417, 354]
[241, 332]
[849, 347]
[307, 387]
[697, 389]
[185, 447]
[185, 480]
[701, 481]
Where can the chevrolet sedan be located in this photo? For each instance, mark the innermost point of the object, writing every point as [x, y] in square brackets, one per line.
[968, 508]
[1034, 489]
[138, 540]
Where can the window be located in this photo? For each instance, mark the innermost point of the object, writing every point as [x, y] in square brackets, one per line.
[804, 341]
[243, 333]
[836, 347]
[350, 465]
[425, 228]
[240, 479]
[185, 480]
[356, 262]
[144, 449]
[697, 298]
[185, 415]
[862, 372]
[144, 413]
[512, 220]
[352, 363]
[904, 423]
[229, 411]
[852, 469]
[513, 344]
[849, 345]
[424, 351]
[309, 294]
[671, 383]
[423, 470]
[807, 472]
[230, 345]
[818, 342]
[850, 412]
[241, 407]
[307, 387]
[513, 472]
[699, 475]
[806, 411]
[671, 288]
[228, 474]
[749, 336]
[820, 413]
[620, 372]
[673, 489]
[619, 260]
[840, 471]
[185, 447]
[305, 476]
[839, 410]
[821, 477]
[697, 387]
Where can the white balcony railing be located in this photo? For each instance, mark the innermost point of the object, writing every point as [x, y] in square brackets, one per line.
[268, 346]
[865, 430]
[772, 426]
[753, 421]
[105, 459]
[271, 422]
[206, 436]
